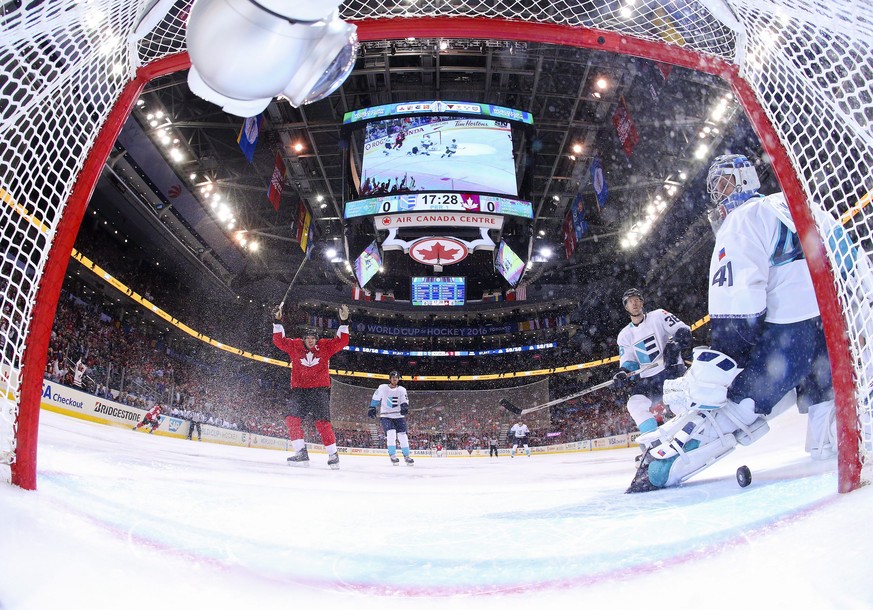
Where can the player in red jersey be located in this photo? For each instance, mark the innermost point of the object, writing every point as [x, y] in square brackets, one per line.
[310, 384]
[152, 418]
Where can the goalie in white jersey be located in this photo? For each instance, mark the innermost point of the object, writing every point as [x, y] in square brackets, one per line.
[392, 404]
[653, 340]
[767, 339]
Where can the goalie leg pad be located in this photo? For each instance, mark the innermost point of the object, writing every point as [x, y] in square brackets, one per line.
[821, 431]
[741, 420]
[696, 457]
[659, 440]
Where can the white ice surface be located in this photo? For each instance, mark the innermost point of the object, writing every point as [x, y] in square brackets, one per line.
[126, 520]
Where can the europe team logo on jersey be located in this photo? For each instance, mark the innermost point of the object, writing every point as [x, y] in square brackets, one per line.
[647, 350]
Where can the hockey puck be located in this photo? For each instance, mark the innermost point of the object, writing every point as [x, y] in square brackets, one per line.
[744, 476]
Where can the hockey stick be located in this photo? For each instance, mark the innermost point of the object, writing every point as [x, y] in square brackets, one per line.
[291, 285]
[507, 404]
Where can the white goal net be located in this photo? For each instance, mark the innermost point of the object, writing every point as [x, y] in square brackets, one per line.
[72, 70]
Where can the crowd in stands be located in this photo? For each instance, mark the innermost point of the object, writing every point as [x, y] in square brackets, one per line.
[135, 364]
[121, 353]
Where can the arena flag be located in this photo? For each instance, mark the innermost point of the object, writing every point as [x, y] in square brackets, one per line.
[248, 135]
[569, 234]
[305, 232]
[277, 181]
[598, 181]
[311, 238]
[303, 219]
[580, 225]
[658, 74]
[625, 128]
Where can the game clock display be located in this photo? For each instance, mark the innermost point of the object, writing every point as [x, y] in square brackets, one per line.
[438, 291]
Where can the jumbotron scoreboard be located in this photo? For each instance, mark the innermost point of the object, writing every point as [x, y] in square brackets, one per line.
[439, 202]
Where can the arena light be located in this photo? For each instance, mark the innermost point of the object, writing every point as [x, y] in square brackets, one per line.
[245, 53]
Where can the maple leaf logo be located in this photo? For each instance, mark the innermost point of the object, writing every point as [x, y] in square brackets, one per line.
[310, 359]
[438, 253]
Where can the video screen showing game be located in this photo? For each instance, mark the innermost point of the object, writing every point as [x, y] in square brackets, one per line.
[367, 264]
[509, 264]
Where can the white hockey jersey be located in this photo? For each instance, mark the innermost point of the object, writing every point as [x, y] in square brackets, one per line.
[643, 343]
[390, 400]
[758, 266]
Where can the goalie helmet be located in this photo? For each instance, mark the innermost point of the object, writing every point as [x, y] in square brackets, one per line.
[631, 292]
[732, 179]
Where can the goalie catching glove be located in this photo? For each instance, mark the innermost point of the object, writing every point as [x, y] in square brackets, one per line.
[706, 383]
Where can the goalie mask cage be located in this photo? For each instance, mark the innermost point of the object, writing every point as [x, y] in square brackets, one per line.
[73, 69]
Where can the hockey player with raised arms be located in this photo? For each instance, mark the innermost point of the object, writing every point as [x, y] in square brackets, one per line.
[392, 404]
[519, 432]
[767, 339]
[310, 384]
[653, 339]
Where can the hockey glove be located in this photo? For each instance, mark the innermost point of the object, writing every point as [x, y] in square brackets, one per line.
[344, 313]
[277, 313]
[404, 409]
[671, 353]
[620, 379]
[371, 413]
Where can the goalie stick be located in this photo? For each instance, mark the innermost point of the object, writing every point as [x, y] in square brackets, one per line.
[507, 404]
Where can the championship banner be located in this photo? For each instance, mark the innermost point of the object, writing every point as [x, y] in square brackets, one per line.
[569, 235]
[598, 181]
[625, 128]
[248, 135]
[277, 182]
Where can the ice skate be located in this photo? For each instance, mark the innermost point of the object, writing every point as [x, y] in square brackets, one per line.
[641, 482]
[394, 460]
[301, 458]
[409, 461]
[333, 461]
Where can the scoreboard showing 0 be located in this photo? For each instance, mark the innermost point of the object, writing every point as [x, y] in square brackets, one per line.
[439, 202]
[438, 291]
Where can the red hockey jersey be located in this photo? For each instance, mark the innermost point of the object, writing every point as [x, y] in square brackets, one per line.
[309, 369]
[153, 413]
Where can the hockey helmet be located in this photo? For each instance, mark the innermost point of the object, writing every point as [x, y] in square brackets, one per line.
[734, 177]
[631, 292]
[394, 374]
[310, 332]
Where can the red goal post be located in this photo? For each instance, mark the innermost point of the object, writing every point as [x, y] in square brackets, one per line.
[73, 71]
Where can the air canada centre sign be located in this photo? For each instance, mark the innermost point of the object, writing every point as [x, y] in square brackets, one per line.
[443, 219]
[438, 251]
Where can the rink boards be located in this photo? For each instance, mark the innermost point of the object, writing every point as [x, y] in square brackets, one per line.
[65, 400]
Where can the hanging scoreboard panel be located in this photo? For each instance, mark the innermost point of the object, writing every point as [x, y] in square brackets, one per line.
[437, 202]
[441, 291]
